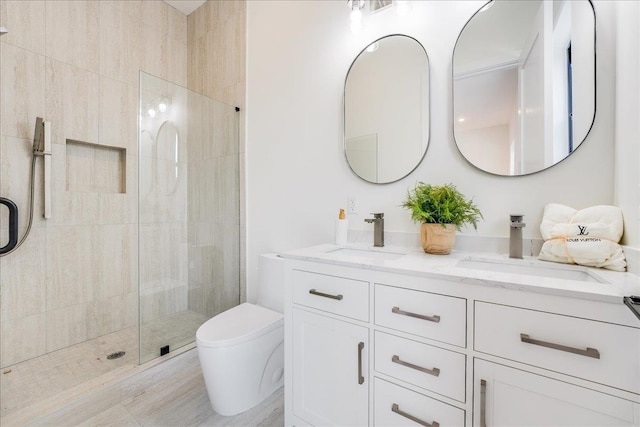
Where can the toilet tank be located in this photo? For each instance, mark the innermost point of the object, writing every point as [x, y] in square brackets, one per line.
[270, 292]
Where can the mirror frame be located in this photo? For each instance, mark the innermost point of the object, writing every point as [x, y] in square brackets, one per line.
[344, 110]
[595, 95]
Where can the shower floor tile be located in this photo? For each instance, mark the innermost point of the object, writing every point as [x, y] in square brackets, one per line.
[36, 379]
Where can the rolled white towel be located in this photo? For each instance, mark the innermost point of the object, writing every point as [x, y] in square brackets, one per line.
[596, 221]
[587, 237]
[587, 251]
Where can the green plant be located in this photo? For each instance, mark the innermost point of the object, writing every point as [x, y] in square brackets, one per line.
[441, 204]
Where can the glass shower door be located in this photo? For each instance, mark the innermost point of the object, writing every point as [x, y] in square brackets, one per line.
[189, 213]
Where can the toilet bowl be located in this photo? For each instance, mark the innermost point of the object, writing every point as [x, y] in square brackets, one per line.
[241, 350]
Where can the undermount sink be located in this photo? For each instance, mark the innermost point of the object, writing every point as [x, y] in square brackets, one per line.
[365, 253]
[556, 272]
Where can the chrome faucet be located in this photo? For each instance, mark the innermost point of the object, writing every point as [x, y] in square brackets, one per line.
[515, 236]
[378, 228]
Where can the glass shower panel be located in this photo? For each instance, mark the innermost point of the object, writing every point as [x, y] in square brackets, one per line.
[189, 208]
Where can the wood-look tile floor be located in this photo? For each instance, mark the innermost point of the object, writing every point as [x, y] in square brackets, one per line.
[169, 394]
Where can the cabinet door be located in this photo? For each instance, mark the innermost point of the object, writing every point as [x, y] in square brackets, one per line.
[330, 366]
[505, 396]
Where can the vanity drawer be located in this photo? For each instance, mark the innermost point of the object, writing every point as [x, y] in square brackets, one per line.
[338, 295]
[432, 368]
[595, 351]
[433, 316]
[394, 405]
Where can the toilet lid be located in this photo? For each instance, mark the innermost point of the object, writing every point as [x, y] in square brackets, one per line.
[241, 323]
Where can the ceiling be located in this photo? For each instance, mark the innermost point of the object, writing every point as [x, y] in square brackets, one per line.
[186, 6]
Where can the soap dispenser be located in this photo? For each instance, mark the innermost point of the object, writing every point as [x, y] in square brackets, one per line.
[342, 226]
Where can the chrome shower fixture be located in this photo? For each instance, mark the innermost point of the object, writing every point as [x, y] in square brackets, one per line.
[3, 31]
[38, 136]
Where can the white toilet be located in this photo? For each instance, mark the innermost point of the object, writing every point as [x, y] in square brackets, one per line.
[241, 350]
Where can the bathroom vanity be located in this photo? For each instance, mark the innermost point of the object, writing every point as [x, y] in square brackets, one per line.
[397, 337]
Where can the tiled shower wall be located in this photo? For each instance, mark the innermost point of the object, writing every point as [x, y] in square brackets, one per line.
[217, 68]
[76, 64]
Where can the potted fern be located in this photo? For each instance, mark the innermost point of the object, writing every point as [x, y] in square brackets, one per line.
[441, 210]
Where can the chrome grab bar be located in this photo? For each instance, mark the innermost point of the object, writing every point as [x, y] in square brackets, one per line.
[589, 352]
[395, 408]
[435, 371]
[322, 294]
[397, 310]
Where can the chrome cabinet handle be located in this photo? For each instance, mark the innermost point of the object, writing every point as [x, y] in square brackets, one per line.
[395, 408]
[322, 294]
[435, 371]
[589, 352]
[360, 376]
[483, 403]
[397, 310]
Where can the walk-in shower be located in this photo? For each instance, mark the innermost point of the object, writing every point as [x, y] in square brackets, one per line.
[141, 245]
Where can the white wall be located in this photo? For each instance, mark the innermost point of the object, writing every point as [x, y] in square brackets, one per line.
[627, 125]
[297, 177]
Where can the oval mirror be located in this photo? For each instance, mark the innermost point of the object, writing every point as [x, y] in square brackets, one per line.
[524, 88]
[386, 109]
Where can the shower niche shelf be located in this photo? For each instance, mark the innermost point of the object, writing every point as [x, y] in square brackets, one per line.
[95, 168]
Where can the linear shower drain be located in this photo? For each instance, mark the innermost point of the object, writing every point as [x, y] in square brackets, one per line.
[116, 355]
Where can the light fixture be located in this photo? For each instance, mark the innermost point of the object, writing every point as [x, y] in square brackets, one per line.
[402, 7]
[487, 6]
[162, 106]
[355, 17]
[151, 112]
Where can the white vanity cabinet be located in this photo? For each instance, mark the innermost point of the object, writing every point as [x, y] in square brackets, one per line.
[329, 353]
[505, 396]
[600, 352]
[369, 346]
[330, 363]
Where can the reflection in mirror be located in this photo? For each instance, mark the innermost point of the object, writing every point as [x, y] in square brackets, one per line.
[386, 109]
[167, 146]
[524, 84]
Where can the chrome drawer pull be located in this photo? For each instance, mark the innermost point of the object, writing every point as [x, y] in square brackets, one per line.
[435, 371]
[360, 376]
[589, 352]
[395, 408]
[483, 403]
[322, 294]
[396, 310]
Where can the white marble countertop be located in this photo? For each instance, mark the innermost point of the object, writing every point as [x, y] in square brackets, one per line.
[613, 286]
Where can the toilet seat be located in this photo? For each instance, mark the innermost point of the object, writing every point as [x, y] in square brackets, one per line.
[237, 325]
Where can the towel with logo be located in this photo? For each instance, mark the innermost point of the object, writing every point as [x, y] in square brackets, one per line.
[587, 237]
